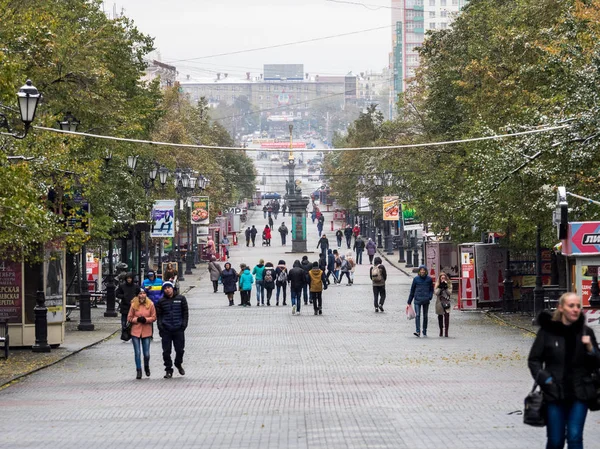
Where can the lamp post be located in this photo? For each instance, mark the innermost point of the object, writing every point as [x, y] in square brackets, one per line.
[28, 98]
[41, 315]
[401, 237]
[538, 291]
[389, 250]
[163, 174]
[189, 256]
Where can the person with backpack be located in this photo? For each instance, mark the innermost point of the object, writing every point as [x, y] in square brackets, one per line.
[318, 283]
[563, 360]
[283, 232]
[297, 278]
[258, 272]
[421, 291]
[269, 281]
[281, 281]
[442, 291]
[348, 234]
[245, 284]
[351, 266]
[371, 250]
[306, 266]
[344, 270]
[378, 275]
[339, 234]
[337, 266]
[229, 278]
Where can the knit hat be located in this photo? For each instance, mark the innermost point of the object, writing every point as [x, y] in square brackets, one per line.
[315, 264]
[167, 284]
[151, 273]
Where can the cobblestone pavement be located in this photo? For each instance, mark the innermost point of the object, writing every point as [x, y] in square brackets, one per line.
[261, 378]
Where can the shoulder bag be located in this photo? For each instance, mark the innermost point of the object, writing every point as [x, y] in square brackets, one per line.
[534, 412]
[126, 332]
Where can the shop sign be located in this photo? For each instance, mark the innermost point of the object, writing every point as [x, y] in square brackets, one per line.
[583, 239]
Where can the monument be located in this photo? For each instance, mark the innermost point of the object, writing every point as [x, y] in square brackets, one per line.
[296, 206]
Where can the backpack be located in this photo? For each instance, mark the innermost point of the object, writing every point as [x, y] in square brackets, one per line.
[282, 277]
[269, 276]
[376, 274]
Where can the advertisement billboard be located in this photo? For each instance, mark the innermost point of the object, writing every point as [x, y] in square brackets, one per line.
[200, 210]
[11, 293]
[163, 217]
[391, 208]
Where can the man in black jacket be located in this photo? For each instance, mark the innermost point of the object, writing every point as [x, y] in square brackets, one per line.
[247, 233]
[306, 266]
[253, 233]
[126, 292]
[297, 278]
[172, 315]
[348, 234]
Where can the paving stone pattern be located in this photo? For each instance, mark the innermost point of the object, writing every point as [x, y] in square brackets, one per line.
[259, 377]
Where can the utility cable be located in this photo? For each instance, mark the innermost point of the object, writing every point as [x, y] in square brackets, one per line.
[313, 150]
[369, 6]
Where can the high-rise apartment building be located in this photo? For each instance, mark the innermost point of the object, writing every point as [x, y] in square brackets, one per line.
[411, 19]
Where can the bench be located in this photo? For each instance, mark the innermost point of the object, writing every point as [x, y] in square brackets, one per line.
[4, 337]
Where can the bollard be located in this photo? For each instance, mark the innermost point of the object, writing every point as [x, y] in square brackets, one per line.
[332, 225]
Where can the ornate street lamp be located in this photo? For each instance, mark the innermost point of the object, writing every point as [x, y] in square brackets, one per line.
[28, 97]
[108, 156]
[163, 173]
[132, 162]
[69, 123]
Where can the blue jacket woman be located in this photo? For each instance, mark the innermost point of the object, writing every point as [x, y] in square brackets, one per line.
[245, 284]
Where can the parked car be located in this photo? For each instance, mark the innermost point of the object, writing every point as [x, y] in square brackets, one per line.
[271, 196]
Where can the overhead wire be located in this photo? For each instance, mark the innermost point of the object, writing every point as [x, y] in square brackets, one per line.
[374, 6]
[307, 150]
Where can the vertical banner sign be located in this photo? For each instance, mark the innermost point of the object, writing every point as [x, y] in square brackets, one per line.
[11, 294]
[200, 214]
[467, 282]
[391, 208]
[53, 268]
[163, 214]
[409, 215]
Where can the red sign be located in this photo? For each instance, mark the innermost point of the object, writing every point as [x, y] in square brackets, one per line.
[583, 238]
[339, 215]
[282, 145]
[11, 294]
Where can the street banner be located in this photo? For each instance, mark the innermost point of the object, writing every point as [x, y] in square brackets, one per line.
[163, 214]
[391, 208]
[11, 293]
[200, 208]
[408, 214]
[54, 272]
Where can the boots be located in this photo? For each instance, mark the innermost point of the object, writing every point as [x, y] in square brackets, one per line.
[441, 323]
[147, 366]
[231, 302]
[139, 374]
[446, 323]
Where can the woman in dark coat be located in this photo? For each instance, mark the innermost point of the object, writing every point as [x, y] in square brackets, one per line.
[269, 277]
[229, 278]
[126, 292]
[562, 359]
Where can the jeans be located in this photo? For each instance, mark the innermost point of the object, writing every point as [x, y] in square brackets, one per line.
[347, 273]
[348, 240]
[282, 239]
[331, 272]
[145, 344]
[281, 287]
[339, 241]
[177, 339]
[378, 291]
[317, 299]
[296, 301]
[359, 256]
[425, 307]
[565, 420]
[123, 320]
[371, 258]
[260, 292]
[264, 214]
[305, 293]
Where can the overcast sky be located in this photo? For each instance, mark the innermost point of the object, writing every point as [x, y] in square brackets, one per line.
[186, 29]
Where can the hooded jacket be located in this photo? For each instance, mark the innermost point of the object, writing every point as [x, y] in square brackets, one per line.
[317, 279]
[330, 260]
[126, 292]
[246, 280]
[172, 313]
[297, 277]
[153, 287]
[339, 234]
[259, 271]
[269, 269]
[371, 247]
[306, 265]
[229, 278]
[421, 289]
[558, 353]
[280, 267]
[323, 244]
[283, 230]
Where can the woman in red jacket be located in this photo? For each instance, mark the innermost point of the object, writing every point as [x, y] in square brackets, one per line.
[141, 316]
[267, 232]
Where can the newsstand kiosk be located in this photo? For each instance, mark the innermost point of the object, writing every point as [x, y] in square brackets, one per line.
[19, 283]
[582, 250]
[481, 275]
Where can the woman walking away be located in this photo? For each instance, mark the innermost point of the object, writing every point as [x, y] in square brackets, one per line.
[345, 270]
[258, 271]
[281, 281]
[141, 314]
[229, 277]
[378, 276]
[331, 266]
[215, 272]
[269, 281]
[298, 278]
[443, 291]
[245, 284]
[267, 233]
[562, 359]
[318, 283]
[126, 292]
[371, 249]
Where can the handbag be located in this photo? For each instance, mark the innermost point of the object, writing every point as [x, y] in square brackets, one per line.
[126, 332]
[534, 412]
[410, 312]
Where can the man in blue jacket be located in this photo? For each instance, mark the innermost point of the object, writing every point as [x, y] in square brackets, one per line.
[153, 286]
[172, 317]
[422, 292]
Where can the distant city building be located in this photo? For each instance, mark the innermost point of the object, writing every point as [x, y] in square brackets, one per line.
[373, 88]
[282, 90]
[156, 69]
[410, 20]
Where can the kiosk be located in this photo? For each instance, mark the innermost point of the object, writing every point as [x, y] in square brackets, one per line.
[19, 283]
